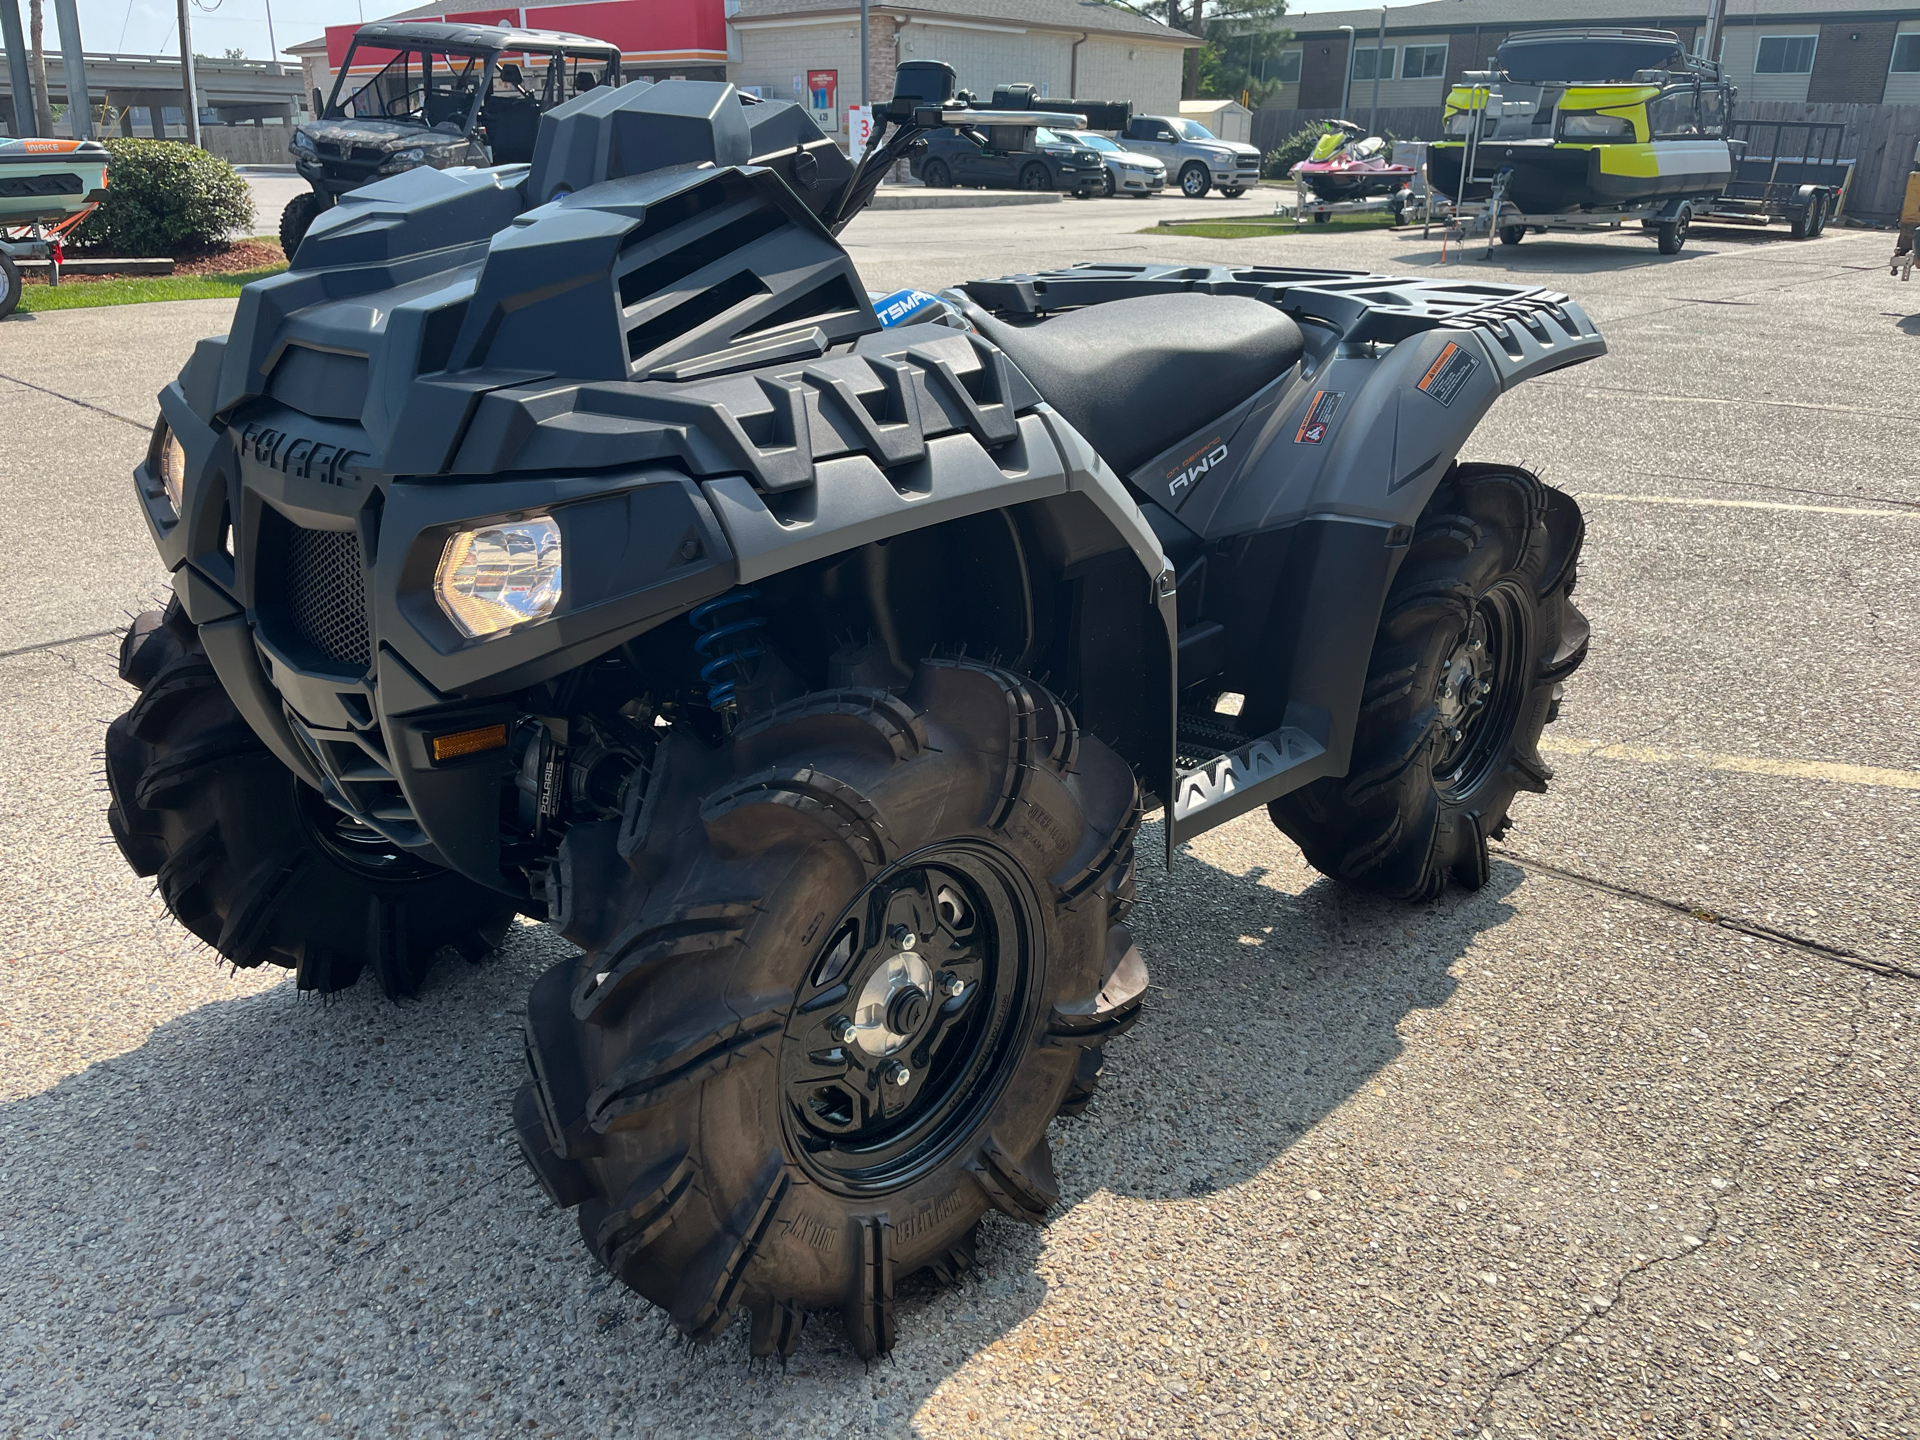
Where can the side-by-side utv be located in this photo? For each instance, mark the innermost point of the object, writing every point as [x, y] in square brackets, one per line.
[575, 540]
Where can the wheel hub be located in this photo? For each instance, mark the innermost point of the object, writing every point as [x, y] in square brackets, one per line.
[900, 1031]
[1480, 688]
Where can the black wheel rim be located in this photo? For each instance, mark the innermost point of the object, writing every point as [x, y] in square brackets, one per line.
[353, 846]
[1483, 682]
[853, 1122]
[1033, 178]
[936, 175]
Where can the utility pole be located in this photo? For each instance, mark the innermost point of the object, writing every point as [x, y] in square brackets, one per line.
[189, 91]
[19, 75]
[1346, 85]
[1716, 15]
[273, 45]
[79, 105]
[864, 100]
[1379, 50]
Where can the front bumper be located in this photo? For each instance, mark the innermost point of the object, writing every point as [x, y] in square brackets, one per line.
[1137, 184]
[310, 576]
[1242, 171]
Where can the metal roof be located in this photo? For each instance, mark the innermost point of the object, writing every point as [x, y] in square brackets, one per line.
[441, 34]
[1076, 15]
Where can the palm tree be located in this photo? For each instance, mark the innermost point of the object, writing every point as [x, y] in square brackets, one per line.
[42, 109]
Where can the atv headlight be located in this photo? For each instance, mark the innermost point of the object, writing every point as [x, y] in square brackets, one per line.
[498, 576]
[173, 468]
[1596, 127]
[303, 142]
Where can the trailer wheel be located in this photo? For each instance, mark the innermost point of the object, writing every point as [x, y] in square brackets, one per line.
[1822, 204]
[1801, 218]
[249, 857]
[1476, 638]
[296, 219]
[1323, 217]
[1672, 234]
[10, 285]
[1512, 234]
[840, 975]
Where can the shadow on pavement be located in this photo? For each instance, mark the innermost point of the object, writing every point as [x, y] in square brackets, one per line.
[326, 1199]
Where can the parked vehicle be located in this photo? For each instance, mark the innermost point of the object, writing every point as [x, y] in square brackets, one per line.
[1195, 157]
[1348, 164]
[1005, 152]
[700, 613]
[443, 94]
[1127, 171]
[1790, 171]
[1574, 129]
[46, 188]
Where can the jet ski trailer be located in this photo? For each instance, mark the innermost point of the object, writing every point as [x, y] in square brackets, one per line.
[46, 188]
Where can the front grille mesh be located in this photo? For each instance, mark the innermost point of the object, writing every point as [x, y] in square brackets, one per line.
[326, 595]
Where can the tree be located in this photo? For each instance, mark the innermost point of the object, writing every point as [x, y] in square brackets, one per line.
[42, 110]
[1238, 34]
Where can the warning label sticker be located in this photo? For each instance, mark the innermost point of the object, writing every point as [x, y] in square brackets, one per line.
[1313, 429]
[1448, 373]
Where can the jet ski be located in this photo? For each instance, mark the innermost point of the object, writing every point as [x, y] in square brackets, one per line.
[49, 181]
[1348, 164]
[1588, 120]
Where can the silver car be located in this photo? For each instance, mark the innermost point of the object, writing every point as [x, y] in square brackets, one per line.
[1128, 171]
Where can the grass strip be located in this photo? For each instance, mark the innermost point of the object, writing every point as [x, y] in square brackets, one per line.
[85, 294]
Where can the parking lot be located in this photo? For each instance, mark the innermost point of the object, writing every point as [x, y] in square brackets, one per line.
[1623, 1143]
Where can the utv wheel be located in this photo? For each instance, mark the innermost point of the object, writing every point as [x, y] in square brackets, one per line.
[840, 973]
[1673, 233]
[935, 175]
[249, 857]
[9, 285]
[1195, 181]
[1233, 192]
[296, 219]
[1476, 638]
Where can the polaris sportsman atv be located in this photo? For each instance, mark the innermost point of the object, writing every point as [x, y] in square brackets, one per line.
[573, 539]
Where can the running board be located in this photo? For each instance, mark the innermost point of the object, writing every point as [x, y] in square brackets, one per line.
[1236, 781]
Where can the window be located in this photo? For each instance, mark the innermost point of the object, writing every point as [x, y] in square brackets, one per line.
[1784, 55]
[1906, 54]
[1423, 62]
[1286, 67]
[1363, 63]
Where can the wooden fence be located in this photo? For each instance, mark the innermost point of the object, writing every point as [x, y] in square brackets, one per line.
[1879, 139]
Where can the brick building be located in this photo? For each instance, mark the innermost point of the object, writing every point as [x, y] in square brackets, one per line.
[810, 49]
[1864, 52]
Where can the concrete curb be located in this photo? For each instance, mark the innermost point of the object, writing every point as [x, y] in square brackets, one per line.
[159, 266]
[921, 199]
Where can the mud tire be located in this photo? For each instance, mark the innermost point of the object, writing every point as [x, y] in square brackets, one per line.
[230, 835]
[296, 220]
[1416, 808]
[663, 1103]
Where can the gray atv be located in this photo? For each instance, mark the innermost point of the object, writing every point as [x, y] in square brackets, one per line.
[579, 540]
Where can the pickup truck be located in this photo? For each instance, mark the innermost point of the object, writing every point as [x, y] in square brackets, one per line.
[1196, 158]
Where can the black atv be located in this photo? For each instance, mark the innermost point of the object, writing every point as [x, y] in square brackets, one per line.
[423, 92]
[575, 540]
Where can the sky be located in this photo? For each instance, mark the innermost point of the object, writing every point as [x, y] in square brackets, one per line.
[146, 27]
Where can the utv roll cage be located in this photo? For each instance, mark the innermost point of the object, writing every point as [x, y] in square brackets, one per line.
[481, 44]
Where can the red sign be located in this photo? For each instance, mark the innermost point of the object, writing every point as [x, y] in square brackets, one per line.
[658, 34]
[823, 89]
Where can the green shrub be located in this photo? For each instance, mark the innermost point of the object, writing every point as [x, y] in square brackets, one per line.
[164, 197]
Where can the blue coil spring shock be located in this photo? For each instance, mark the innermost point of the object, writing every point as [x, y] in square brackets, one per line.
[726, 643]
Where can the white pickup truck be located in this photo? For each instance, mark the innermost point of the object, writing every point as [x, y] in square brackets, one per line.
[1196, 158]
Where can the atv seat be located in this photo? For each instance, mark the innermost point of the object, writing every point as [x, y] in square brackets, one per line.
[1136, 376]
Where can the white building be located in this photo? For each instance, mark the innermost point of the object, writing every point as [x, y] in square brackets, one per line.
[809, 50]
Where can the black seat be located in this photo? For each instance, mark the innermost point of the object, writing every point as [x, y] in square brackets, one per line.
[1135, 376]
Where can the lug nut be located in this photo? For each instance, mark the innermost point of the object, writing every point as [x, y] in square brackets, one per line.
[951, 985]
[904, 937]
[897, 1074]
[1476, 645]
[1453, 733]
[841, 1029]
[1485, 688]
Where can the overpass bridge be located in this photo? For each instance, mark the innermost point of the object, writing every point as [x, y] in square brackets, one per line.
[231, 91]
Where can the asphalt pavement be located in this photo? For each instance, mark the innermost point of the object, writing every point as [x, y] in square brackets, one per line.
[1622, 1144]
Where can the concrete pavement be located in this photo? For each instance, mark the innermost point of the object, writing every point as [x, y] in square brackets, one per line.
[1623, 1143]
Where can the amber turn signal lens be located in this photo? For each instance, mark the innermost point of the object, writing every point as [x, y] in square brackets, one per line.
[469, 742]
